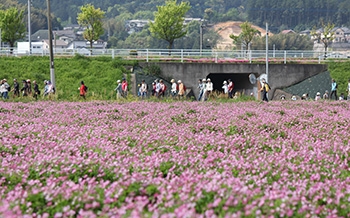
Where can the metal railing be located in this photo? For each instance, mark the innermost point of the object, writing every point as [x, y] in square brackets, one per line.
[183, 55]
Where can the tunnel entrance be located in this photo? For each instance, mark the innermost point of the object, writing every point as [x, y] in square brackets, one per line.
[241, 81]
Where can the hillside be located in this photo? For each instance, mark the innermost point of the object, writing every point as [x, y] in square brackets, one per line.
[225, 29]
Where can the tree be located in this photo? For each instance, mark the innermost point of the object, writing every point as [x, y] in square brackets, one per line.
[282, 42]
[169, 21]
[325, 37]
[12, 25]
[246, 36]
[91, 19]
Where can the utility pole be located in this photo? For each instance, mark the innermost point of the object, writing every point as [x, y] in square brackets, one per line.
[201, 39]
[29, 28]
[52, 68]
[267, 53]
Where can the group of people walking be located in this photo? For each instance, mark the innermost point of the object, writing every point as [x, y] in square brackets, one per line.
[326, 96]
[28, 89]
[122, 88]
[158, 89]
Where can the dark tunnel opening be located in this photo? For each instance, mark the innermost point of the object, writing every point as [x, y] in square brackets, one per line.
[241, 81]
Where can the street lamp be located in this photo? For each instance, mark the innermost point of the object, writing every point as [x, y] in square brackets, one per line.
[52, 68]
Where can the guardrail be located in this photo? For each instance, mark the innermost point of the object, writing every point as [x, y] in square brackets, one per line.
[183, 55]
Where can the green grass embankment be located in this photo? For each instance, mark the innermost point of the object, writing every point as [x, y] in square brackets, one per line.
[340, 71]
[99, 74]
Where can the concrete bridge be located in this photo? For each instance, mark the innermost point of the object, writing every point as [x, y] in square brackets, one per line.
[279, 75]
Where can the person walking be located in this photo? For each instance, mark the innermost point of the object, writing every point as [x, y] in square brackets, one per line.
[15, 88]
[181, 92]
[200, 87]
[265, 89]
[210, 88]
[4, 89]
[83, 90]
[162, 88]
[24, 89]
[225, 87]
[144, 89]
[173, 87]
[124, 88]
[29, 87]
[36, 90]
[230, 88]
[334, 87]
[204, 95]
[118, 89]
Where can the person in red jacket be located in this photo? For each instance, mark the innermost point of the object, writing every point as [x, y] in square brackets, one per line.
[82, 89]
[230, 88]
[124, 88]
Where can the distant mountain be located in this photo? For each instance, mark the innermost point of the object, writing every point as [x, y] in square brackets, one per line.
[282, 14]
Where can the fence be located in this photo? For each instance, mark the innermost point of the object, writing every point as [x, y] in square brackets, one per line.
[184, 55]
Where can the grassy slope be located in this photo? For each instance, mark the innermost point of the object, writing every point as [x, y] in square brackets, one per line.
[340, 71]
[99, 74]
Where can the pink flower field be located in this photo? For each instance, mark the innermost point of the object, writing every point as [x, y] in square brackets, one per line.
[181, 159]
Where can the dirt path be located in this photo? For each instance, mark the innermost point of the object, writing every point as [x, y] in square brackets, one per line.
[230, 27]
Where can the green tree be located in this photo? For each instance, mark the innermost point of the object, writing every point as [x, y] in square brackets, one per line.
[169, 21]
[282, 42]
[91, 19]
[246, 36]
[326, 36]
[12, 25]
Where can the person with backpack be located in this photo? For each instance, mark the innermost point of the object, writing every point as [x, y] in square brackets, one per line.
[7, 88]
[334, 90]
[4, 89]
[83, 89]
[265, 89]
[162, 88]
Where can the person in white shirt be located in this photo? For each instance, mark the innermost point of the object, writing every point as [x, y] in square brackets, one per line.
[173, 88]
[144, 88]
[204, 96]
[225, 87]
[158, 87]
[4, 89]
[318, 96]
[326, 95]
[209, 88]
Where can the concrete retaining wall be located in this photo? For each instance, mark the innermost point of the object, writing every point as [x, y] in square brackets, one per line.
[280, 75]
